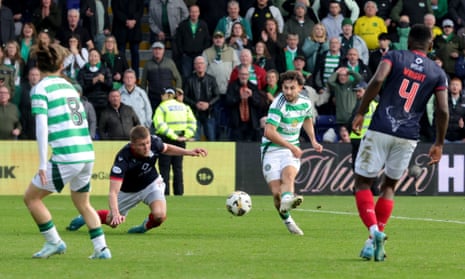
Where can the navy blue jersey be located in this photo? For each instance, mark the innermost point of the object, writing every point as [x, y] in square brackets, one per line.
[405, 92]
[135, 172]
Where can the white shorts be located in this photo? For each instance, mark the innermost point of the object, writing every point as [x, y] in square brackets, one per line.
[275, 161]
[58, 175]
[154, 192]
[378, 150]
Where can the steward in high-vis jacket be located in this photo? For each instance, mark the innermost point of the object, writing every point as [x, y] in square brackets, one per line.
[175, 124]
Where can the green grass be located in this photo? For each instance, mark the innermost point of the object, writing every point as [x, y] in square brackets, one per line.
[201, 239]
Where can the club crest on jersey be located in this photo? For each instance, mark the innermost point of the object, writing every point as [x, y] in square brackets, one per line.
[267, 167]
[116, 170]
[417, 65]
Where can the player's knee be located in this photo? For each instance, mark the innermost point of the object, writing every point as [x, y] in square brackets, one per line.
[363, 183]
[26, 200]
[390, 182]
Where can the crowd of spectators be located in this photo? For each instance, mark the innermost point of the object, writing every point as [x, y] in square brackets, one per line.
[225, 54]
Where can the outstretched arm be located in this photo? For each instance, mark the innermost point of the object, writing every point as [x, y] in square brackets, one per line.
[174, 150]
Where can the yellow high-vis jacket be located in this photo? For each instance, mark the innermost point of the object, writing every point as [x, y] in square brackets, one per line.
[173, 119]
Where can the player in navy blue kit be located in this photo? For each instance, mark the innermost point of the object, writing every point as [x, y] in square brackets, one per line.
[134, 179]
[404, 81]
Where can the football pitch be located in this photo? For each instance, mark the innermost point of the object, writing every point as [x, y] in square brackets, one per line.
[200, 239]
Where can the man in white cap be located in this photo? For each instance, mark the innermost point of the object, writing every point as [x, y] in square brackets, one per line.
[448, 47]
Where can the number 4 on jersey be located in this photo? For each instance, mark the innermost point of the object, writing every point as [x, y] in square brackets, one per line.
[408, 95]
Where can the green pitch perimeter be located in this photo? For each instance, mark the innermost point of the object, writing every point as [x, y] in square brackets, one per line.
[201, 239]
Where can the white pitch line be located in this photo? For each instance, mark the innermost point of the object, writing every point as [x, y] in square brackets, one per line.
[393, 217]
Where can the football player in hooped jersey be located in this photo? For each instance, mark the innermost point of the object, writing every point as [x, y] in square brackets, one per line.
[61, 123]
[288, 113]
[134, 179]
[404, 81]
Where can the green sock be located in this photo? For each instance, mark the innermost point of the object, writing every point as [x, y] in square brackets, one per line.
[284, 216]
[285, 193]
[49, 231]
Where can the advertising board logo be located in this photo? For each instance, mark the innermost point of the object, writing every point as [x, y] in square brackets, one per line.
[328, 172]
[7, 172]
[204, 176]
[451, 174]
[101, 175]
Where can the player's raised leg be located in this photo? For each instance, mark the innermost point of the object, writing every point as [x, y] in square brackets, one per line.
[293, 228]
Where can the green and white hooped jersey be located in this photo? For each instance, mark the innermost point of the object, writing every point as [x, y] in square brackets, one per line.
[288, 118]
[68, 133]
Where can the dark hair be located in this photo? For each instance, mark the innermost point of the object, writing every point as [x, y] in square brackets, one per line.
[34, 31]
[292, 75]
[77, 37]
[96, 50]
[114, 90]
[384, 36]
[335, 2]
[292, 34]
[419, 37]
[50, 58]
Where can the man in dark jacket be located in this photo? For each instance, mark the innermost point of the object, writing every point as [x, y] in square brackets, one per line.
[216, 10]
[415, 9]
[127, 16]
[71, 27]
[27, 119]
[245, 103]
[192, 37]
[7, 30]
[448, 47]
[159, 73]
[47, 17]
[353, 62]
[201, 93]
[299, 23]
[117, 120]
[93, 14]
[456, 126]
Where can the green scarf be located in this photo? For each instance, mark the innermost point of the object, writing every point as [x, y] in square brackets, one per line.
[111, 56]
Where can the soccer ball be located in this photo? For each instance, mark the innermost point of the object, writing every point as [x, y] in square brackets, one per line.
[239, 203]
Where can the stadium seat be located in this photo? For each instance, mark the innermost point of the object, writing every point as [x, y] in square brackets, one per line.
[322, 124]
